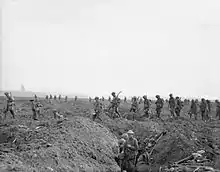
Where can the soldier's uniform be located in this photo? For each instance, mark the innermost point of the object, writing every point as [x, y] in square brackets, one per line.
[134, 105]
[178, 107]
[218, 109]
[97, 108]
[75, 98]
[90, 99]
[203, 109]
[125, 100]
[130, 150]
[36, 108]
[159, 105]
[103, 99]
[55, 97]
[193, 109]
[59, 98]
[109, 99]
[172, 105]
[146, 106]
[208, 108]
[10, 106]
[66, 98]
[115, 104]
[47, 97]
[141, 100]
[35, 97]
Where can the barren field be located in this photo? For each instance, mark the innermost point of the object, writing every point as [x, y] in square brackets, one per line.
[79, 144]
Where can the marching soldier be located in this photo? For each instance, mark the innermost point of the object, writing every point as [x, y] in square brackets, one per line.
[178, 107]
[109, 99]
[146, 106]
[59, 98]
[140, 101]
[193, 109]
[90, 99]
[10, 106]
[172, 105]
[203, 109]
[115, 104]
[217, 109]
[47, 97]
[75, 98]
[55, 97]
[134, 106]
[125, 100]
[97, 108]
[35, 97]
[66, 98]
[159, 105]
[103, 99]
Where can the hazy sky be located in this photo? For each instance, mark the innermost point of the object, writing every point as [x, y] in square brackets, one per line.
[99, 46]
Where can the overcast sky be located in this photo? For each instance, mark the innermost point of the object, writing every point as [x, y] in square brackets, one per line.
[99, 46]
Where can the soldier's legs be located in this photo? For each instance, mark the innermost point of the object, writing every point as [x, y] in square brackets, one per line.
[13, 113]
[116, 111]
[158, 112]
[34, 115]
[202, 115]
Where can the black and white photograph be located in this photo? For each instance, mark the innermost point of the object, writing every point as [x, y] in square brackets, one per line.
[109, 86]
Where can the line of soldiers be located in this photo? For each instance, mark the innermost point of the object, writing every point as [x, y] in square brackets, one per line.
[205, 109]
[175, 106]
[50, 98]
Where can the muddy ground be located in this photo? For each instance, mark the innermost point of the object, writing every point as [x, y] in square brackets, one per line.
[79, 144]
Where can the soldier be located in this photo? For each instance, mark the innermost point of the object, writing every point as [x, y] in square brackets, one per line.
[90, 99]
[134, 106]
[141, 100]
[159, 105]
[115, 104]
[36, 108]
[208, 102]
[109, 99]
[103, 99]
[76, 98]
[59, 98]
[203, 109]
[217, 109]
[193, 109]
[172, 105]
[50, 99]
[125, 100]
[10, 106]
[146, 106]
[55, 97]
[33, 108]
[35, 97]
[178, 107]
[47, 97]
[66, 98]
[130, 149]
[97, 108]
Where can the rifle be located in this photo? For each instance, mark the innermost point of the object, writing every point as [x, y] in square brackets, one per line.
[161, 135]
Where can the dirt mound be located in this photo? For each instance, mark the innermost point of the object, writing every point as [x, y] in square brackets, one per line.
[74, 145]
